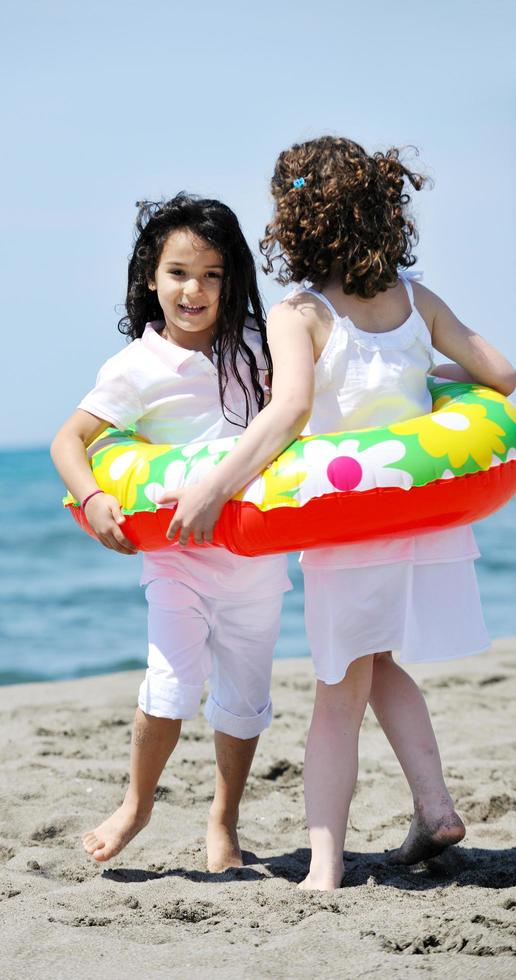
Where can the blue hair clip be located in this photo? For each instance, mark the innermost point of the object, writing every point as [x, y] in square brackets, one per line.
[298, 182]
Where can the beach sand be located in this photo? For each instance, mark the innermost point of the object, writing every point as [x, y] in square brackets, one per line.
[154, 911]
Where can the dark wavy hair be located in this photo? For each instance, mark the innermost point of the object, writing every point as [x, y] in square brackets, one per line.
[218, 226]
[340, 211]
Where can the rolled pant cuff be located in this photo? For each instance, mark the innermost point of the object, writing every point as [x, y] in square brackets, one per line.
[229, 724]
[168, 699]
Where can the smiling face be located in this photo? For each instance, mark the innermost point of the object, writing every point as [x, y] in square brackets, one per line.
[188, 281]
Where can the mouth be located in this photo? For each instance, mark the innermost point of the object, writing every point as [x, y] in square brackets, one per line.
[191, 310]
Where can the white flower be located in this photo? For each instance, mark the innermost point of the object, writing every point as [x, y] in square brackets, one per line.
[254, 492]
[199, 470]
[346, 467]
[222, 445]
[176, 477]
[454, 421]
[214, 447]
[172, 480]
[122, 463]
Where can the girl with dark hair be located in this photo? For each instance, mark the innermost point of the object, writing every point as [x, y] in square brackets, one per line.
[196, 370]
[351, 348]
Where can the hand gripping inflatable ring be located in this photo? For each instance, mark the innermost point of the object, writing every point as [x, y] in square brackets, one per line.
[451, 467]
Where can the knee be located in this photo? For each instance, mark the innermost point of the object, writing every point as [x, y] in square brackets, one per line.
[382, 659]
[344, 699]
[333, 713]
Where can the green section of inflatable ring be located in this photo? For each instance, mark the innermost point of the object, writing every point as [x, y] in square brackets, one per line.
[474, 424]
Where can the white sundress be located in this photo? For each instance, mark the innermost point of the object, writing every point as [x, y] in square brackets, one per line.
[418, 594]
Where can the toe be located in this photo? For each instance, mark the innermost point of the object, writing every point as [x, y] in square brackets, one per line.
[89, 837]
[107, 849]
[92, 843]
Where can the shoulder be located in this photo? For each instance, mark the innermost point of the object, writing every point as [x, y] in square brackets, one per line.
[134, 363]
[122, 360]
[431, 307]
[117, 395]
[292, 331]
[428, 303]
[301, 311]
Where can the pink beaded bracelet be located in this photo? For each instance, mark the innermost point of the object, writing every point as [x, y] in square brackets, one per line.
[85, 501]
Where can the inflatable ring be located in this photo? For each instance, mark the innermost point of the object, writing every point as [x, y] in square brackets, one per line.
[451, 467]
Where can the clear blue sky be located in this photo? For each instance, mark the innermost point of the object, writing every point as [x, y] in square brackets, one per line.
[109, 102]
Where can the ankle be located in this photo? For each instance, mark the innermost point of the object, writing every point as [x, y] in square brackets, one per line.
[223, 814]
[140, 806]
[322, 866]
[433, 809]
[325, 876]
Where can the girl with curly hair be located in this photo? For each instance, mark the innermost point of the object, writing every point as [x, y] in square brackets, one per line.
[351, 348]
[195, 370]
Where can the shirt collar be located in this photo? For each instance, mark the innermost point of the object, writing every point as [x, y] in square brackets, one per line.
[171, 354]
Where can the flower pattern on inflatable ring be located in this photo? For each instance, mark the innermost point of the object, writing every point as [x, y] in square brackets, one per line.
[278, 485]
[119, 463]
[222, 446]
[441, 402]
[495, 396]
[346, 467]
[281, 481]
[173, 479]
[177, 475]
[457, 432]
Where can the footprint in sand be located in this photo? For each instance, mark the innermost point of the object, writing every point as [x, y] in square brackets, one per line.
[190, 911]
[484, 811]
[283, 770]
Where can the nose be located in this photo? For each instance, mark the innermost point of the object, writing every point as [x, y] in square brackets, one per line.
[191, 287]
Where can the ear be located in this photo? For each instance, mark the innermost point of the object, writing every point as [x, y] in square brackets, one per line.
[152, 285]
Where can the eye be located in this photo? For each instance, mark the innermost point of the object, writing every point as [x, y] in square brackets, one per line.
[214, 275]
[176, 272]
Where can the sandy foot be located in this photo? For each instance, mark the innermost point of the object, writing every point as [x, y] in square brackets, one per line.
[324, 880]
[425, 840]
[111, 836]
[223, 849]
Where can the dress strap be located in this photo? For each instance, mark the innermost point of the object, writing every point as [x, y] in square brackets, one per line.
[330, 307]
[421, 328]
[408, 289]
[407, 277]
[306, 287]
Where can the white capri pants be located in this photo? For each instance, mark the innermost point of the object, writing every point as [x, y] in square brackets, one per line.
[193, 638]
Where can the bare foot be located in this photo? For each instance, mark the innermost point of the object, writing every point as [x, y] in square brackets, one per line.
[110, 837]
[324, 880]
[222, 844]
[427, 839]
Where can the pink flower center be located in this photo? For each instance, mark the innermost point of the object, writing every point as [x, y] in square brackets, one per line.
[344, 472]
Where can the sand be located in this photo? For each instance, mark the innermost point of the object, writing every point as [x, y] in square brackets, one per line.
[155, 911]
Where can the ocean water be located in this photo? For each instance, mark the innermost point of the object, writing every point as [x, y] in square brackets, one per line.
[70, 608]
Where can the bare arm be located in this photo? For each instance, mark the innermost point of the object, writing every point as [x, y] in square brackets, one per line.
[481, 362]
[274, 428]
[290, 407]
[453, 372]
[68, 451]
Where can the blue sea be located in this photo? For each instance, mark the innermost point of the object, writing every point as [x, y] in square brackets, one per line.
[71, 608]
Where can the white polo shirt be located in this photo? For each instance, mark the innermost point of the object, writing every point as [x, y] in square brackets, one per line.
[171, 395]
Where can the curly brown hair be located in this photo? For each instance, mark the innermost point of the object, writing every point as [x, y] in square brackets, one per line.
[339, 211]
